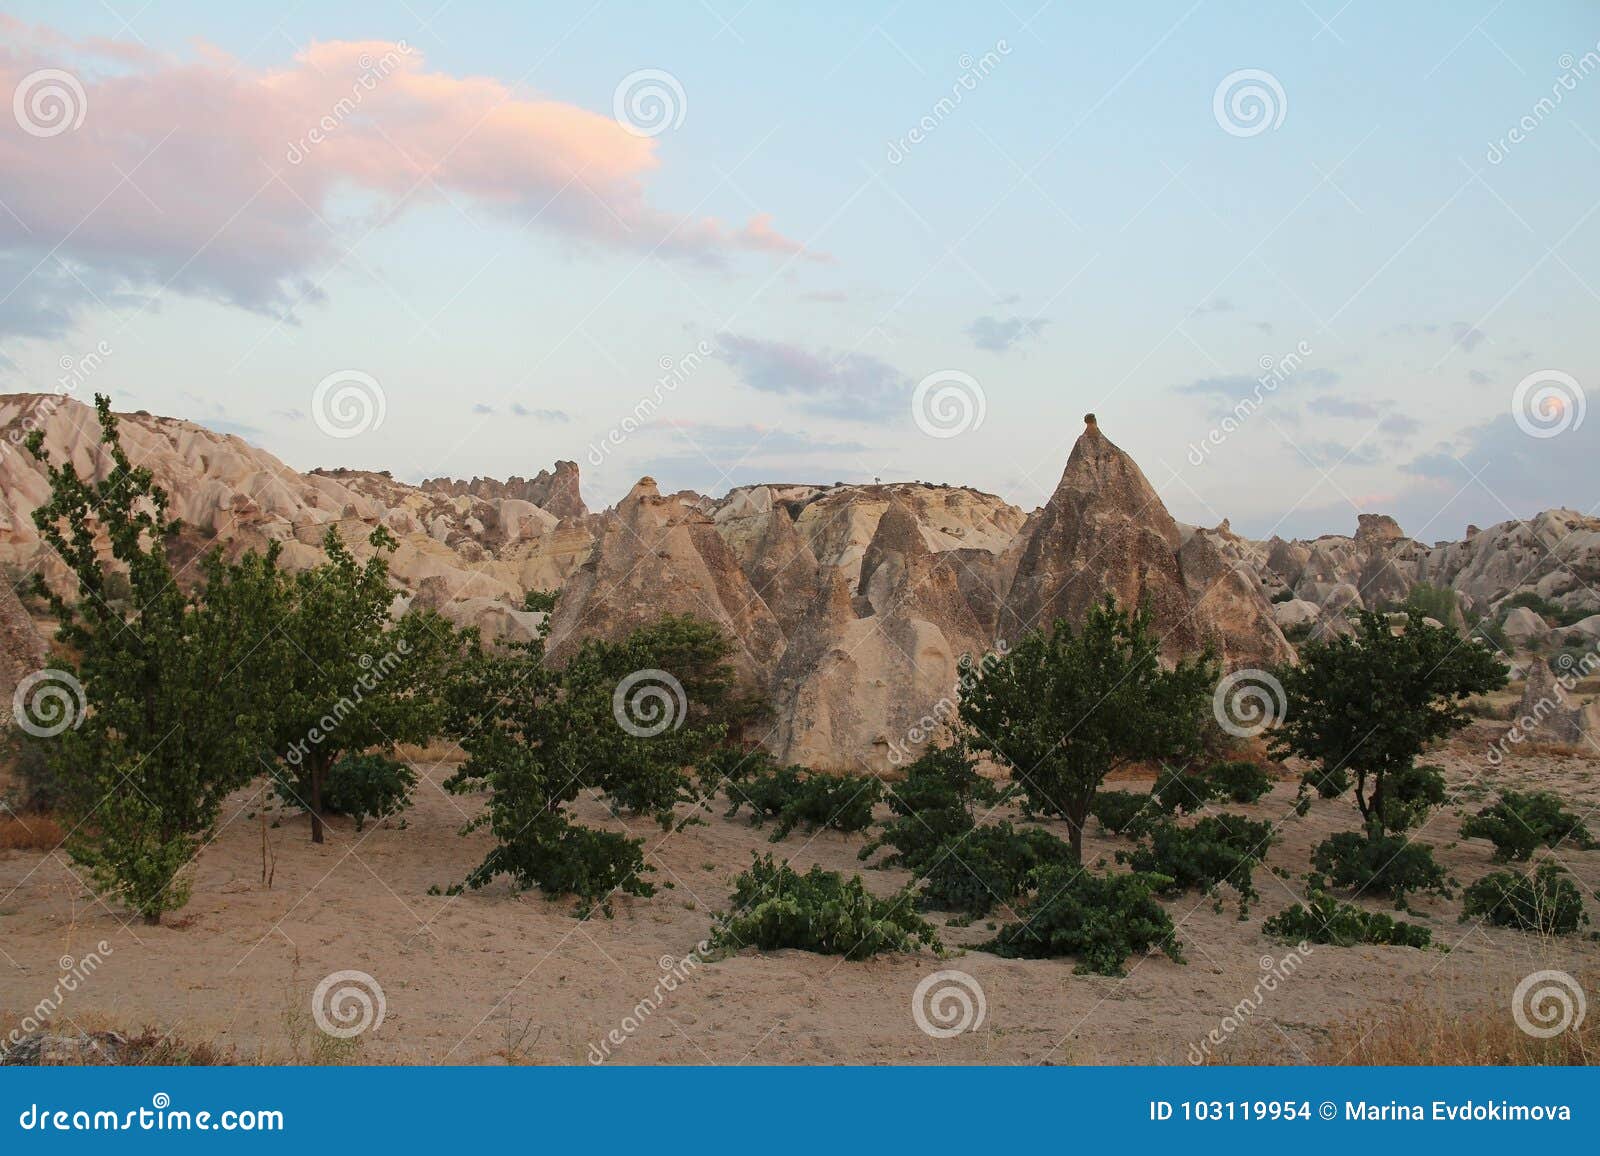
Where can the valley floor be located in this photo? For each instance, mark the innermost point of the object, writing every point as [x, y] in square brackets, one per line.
[490, 976]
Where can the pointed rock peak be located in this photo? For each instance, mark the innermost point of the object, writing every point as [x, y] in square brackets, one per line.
[1090, 426]
[645, 487]
[1377, 529]
[899, 530]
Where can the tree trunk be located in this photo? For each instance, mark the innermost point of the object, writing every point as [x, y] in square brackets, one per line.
[152, 918]
[1075, 837]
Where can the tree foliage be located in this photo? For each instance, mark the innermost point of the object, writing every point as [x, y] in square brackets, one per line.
[176, 689]
[1546, 901]
[1362, 709]
[1520, 822]
[1063, 710]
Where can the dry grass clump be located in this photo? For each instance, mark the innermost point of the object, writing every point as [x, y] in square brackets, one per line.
[31, 832]
[1417, 1035]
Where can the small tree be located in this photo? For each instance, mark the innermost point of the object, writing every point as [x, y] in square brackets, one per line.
[1361, 709]
[175, 698]
[1066, 709]
[352, 677]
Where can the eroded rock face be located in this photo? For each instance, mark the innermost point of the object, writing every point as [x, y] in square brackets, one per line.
[22, 649]
[1550, 712]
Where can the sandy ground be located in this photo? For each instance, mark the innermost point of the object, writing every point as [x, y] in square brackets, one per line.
[491, 975]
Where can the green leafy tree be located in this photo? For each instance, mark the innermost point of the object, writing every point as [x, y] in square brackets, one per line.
[177, 702]
[1361, 709]
[351, 677]
[622, 718]
[1065, 709]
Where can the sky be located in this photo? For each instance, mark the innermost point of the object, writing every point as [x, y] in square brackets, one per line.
[1302, 260]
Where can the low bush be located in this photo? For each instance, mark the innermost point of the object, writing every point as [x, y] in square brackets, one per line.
[360, 787]
[775, 907]
[794, 797]
[975, 872]
[1182, 791]
[933, 804]
[1523, 821]
[1102, 919]
[1324, 919]
[1124, 812]
[1546, 901]
[1215, 850]
[1381, 864]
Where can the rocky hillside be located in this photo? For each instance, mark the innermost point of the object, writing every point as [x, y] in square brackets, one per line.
[849, 605]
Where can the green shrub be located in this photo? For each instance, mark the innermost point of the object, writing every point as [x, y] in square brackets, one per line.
[973, 873]
[1524, 820]
[1547, 901]
[1182, 791]
[1409, 793]
[1284, 595]
[1215, 850]
[36, 783]
[1437, 602]
[930, 806]
[1124, 812]
[775, 907]
[360, 787]
[1382, 864]
[794, 797]
[1327, 920]
[1102, 919]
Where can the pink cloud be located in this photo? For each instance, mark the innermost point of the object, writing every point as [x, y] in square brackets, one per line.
[218, 179]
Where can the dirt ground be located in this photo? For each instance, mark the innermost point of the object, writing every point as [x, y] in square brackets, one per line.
[492, 976]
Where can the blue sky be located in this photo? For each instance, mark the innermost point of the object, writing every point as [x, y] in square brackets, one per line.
[1081, 231]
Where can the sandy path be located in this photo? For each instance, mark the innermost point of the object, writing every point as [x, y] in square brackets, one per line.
[468, 979]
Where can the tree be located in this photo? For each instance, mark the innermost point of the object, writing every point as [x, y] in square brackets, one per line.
[351, 676]
[1362, 708]
[174, 703]
[624, 719]
[1065, 709]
